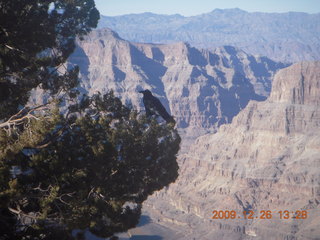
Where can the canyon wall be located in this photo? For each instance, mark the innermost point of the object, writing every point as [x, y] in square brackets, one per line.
[267, 159]
[202, 89]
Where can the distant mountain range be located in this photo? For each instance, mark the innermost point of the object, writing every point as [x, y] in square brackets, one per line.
[286, 37]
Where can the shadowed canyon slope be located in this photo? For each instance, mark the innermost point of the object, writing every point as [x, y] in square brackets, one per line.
[286, 37]
[202, 89]
[268, 158]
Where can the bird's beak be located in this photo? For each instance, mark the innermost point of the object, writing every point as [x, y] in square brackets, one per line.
[141, 91]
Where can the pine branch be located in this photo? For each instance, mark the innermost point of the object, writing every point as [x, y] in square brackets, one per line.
[20, 213]
[20, 117]
[51, 139]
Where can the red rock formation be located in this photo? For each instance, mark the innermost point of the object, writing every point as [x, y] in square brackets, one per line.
[268, 158]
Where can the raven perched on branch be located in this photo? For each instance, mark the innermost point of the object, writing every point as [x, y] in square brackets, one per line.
[153, 106]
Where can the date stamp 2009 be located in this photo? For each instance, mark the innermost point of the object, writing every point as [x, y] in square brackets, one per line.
[263, 214]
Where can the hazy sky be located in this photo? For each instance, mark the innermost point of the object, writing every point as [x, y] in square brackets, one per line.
[195, 7]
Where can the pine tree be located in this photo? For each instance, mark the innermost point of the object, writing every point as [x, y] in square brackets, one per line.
[90, 168]
[36, 38]
[95, 174]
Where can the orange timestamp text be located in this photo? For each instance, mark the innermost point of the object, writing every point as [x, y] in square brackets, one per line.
[263, 214]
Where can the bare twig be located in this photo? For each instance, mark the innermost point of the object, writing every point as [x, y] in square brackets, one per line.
[20, 117]
[12, 48]
[91, 191]
[42, 190]
[66, 194]
[20, 213]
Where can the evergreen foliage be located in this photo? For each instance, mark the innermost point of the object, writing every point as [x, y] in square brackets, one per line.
[95, 175]
[36, 38]
[90, 168]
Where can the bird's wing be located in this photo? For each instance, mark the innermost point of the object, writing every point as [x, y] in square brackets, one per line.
[161, 109]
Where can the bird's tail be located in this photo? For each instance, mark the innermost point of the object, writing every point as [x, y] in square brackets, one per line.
[171, 120]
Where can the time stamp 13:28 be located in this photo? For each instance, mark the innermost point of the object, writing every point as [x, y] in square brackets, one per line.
[263, 214]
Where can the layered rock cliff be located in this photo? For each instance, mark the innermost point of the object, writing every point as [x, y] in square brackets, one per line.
[202, 89]
[267, 159]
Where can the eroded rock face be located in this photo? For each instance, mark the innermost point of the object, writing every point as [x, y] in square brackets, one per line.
[268, 158]
[203, 89]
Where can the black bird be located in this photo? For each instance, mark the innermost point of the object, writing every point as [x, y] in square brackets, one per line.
[153, 106]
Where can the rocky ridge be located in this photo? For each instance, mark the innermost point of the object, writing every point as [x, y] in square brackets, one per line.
[203, 89]
[268, 158]
[286, 37]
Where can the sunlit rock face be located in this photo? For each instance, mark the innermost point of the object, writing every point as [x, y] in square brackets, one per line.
[202, 89]
[265, 154]
[268, 158]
